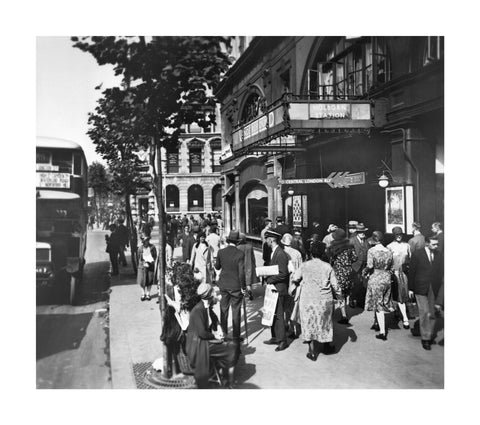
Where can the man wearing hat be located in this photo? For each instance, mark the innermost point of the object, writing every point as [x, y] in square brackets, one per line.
[281, 227]
[327, 240]
[280, 281]
[352, 227]
[230, 263]
[361, 247]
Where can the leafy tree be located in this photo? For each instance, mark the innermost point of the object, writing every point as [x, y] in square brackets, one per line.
[98, 181]
[169, 82]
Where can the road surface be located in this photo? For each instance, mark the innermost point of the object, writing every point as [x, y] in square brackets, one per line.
[72, 341]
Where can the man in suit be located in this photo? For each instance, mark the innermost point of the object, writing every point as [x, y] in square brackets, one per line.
[230, 264]
[280, 281]
[250, 265]
[187, 241]
[418, 240]
[361, 246]
[424, 280]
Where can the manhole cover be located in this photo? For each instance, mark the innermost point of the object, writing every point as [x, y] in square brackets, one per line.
[148, 378]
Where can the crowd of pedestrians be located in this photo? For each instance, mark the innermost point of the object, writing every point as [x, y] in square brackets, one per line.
[312, 277]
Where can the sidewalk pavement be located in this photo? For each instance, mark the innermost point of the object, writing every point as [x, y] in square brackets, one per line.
[360, 361]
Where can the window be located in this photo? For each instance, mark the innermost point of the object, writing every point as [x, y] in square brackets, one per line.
[43, 157]
[216, 149]
[217, 198]
[381, 67]
[172, 162]
[350, 73]
[63, 159]
[285, 80]
[251, 108]
[172, 198]
[77, 164]
[195, 198]
[195, 159]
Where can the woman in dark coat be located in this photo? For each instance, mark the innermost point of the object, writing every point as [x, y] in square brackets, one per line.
[342, 255]
[205, 340]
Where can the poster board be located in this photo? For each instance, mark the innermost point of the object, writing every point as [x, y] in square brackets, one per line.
[269, 305]
[399, 208]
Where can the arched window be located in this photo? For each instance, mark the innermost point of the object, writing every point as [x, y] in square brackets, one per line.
[195, 198]
[172, 198]
[217, 197]
[251, 108]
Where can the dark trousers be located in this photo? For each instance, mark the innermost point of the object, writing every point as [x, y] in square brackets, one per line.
[114, 260]
[278, 326]
[121, 255]
[359, 290]
[233, 298]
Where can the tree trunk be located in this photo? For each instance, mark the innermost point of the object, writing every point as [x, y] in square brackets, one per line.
[132, 233]
[157, 171]
[95, 199]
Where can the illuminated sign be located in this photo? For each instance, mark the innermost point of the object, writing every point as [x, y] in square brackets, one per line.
[53, 180]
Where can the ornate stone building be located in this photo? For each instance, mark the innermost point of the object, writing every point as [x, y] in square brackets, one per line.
[297, 111]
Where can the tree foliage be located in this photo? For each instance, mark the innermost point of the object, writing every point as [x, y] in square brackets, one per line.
[168, 79]
[98, 178]
[117, 135]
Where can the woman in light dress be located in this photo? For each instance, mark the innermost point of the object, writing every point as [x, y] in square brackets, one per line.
[200, 259]
[378, 298]
[318, 287]
[401, 258]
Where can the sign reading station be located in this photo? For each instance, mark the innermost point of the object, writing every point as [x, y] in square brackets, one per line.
[53, 180]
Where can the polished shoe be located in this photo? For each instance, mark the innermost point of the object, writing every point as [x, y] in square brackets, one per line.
[375, 327]
[406, 325]
[383, 337]
[271, 341]
[312, 357]
[344, 321]
[143, 298]
[282, 346]
[148, 297]
[426, 345]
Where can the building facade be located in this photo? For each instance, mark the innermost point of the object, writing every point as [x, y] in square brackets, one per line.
[191, 175]
[314, 128]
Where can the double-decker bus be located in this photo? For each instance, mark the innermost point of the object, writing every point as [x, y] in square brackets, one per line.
[61, 190]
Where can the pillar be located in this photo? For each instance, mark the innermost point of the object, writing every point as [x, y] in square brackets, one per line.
[237, 201]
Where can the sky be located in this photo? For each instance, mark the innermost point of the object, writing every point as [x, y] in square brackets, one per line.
[66, 81]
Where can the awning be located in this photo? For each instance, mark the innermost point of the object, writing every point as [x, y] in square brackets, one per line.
[229, 191]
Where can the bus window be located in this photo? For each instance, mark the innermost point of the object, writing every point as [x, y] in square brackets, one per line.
[77, 164]
[63, 159]
[43, 157]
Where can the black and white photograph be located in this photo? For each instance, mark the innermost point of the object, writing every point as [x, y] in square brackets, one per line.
[259, 211]
[215, 157]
